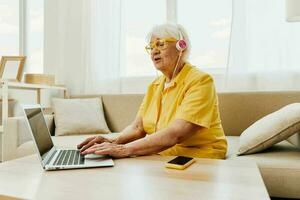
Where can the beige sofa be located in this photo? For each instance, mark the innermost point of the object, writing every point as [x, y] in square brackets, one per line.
[279, 165]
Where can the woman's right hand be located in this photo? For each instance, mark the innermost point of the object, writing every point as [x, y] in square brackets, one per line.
[91, 141]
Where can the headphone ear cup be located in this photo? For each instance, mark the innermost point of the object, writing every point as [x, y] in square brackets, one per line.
[181, 45]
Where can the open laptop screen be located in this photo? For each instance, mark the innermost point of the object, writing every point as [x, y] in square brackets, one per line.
[39, 130]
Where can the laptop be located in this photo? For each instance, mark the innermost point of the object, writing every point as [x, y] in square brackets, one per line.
[53, 158]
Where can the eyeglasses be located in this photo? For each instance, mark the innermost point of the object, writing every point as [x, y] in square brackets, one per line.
[160, 44]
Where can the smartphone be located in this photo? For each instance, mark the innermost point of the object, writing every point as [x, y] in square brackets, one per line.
[180, 162]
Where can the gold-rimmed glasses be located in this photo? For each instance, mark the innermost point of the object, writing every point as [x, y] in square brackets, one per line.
[160, 44]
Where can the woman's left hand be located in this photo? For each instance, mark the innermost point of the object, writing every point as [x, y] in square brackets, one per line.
[107, 148]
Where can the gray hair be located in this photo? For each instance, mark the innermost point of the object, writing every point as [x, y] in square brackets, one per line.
[171, 30]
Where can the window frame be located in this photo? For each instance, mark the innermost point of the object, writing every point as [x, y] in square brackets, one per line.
[22, 27]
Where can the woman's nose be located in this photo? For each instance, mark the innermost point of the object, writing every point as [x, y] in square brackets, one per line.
[155, 51]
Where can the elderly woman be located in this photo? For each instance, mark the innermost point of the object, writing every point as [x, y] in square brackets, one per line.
[179, 115]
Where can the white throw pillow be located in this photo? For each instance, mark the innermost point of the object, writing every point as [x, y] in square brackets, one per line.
[270, 129]
[79, 116]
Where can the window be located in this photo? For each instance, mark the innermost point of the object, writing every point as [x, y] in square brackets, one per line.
[207, 23]
[208, 26]
[28, 42]
[34, 36]
[139, 18]
[9, 27]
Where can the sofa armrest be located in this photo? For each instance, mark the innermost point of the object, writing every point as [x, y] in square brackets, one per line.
[18, 133]
[10, 139]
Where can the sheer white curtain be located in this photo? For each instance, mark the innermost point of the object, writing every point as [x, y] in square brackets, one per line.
[264, 53]
[63, 50]
[84, 41]
[103, 46]
[82, 44]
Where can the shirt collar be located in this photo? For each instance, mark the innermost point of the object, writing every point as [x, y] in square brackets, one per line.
[178, 78]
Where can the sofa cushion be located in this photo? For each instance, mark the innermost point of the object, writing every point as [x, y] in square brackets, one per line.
[270, 129]
[278, 165]
[240, 109]
[79, 116]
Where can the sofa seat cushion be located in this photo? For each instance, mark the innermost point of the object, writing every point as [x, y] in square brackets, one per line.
[63, 142]
[279, 167]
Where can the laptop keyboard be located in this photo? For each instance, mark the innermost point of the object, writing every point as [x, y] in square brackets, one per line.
[69, 157]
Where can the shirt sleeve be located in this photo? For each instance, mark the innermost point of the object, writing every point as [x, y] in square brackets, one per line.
[199, 102]
[141, 111]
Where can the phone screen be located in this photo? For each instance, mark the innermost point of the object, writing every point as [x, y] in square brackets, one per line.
[180, 160]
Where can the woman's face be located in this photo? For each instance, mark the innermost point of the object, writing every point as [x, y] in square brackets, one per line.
[164, 59]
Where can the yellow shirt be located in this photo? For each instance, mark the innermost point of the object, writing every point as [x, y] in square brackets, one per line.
[191, 96]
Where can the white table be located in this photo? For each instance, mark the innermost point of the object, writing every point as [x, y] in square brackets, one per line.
[134, 178]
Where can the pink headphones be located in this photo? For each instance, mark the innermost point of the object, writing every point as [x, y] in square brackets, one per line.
[181, 44]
